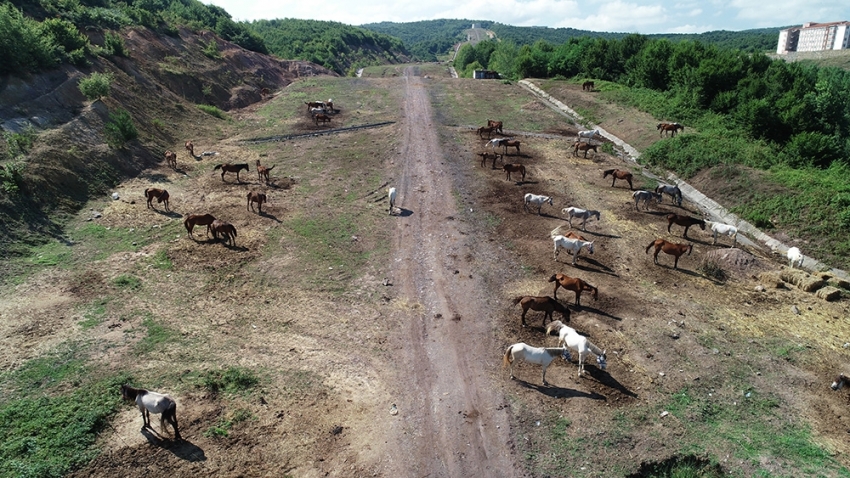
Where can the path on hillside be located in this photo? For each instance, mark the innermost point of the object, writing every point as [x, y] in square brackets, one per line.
[454, 421]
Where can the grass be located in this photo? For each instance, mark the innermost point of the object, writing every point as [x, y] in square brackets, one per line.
[157, 336]
[232, 380]
[213, 111]
[222, 428]
[161, 261]
[95, 313]
[127, 282]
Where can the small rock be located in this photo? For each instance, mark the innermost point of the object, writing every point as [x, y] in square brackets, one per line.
[393, 410]
[760, 288]
[660, 374]
[115, 196]
[664, 413]
[795, 310]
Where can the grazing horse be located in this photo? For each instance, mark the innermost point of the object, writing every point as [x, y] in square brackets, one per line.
[545, 304]
[645, 196]
[198, 220]
[537, 355]
[224, 228]
[538, 200]
[190, 148]
[391, 195]
[587, 86]
[588, 135]
[161, 196]
[663, 128]
[574, 284]
[669, 248]
[673, 191]
[573, 246]
[718, 228]
[263, 171]
[494, 156]
[314, 104]
[573, 340]
[584, 147]
[839, 382]
[171, 159]
[153, 402]
[618, 174]
[514, 168]
[686, 221]
[321, 117]
[496, 125]
[231, 168]
[795, 257]
[584, 214]
[486, 129]
[256, 197]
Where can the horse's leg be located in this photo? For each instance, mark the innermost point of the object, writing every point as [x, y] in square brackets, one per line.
[676, 261]
[578, 298]
[630, 183]
[545, 366]
[669, 223]
[524, 311]
[555, 293]
[714, 243]
[685, 234]
[655, 257]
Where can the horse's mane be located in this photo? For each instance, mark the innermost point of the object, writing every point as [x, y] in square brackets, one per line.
[555, 325]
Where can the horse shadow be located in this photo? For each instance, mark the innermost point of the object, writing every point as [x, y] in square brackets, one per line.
[602, 234]
[657, 213]
[599, 267]
[402, 212]
[523, 183]
[586, 308]
[171, 214]
[183, 449]
[270, 216]
[156, 178]
[606, 379]
[697, 241]
[559, 392]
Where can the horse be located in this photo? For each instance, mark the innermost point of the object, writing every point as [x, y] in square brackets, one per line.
[645, 196]
[231, 168]
[573, 340]
[839, 382]
[674, 192]
[795, 257]
[496, 125]
[314, 104]
[544, 304]
[224, 228]
[161, 196]
[584, 214]
[511, 143]
[256, 197]
[588, 135]
[485, 156]
[321, 117]
[718, 228]
[171, 159]
[686, 221]
[198, 220]
[574, 284]
[669, 248]
[671, 127]
[584, 147]
[153, 402]
[514, 168]
[486, 129]
[190, 148]
[587, 86]
[618, 174]
[538, 200]
[263, 171]
[537, 355]
[391, 195]
[571, 245]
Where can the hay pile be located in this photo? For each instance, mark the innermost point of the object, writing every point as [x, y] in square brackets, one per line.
[737, 263]
[803, 280]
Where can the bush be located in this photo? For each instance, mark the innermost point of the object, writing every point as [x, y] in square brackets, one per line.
[96, 85]
[67, 43]
[11, 178]
[212, 110]
[211, 50]
[120, 129]
[114, 44]
[711, 269]
[19, 144]
[22, 48]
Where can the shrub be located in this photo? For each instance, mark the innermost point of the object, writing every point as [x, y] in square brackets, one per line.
[211, 50]
[212, 110]
[711, 268]
[96, 85]
[19, 144]
[231, 380]
[114, 44]
[10, 177]
[120, 129]
[68, 44]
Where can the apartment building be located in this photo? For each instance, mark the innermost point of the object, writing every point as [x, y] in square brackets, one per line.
[815, 37]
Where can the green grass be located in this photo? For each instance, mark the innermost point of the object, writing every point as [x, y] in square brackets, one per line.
[161, 261]
[95, 313]
[222, 428]
[157, 336]
[232, 380]
[127, 282]
[213, 111]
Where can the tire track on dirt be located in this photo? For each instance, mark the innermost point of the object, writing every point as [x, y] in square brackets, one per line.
[454, 422]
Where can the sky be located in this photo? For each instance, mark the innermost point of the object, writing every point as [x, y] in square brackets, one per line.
[629, 16]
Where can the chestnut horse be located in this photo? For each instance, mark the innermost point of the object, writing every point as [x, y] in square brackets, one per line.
[494, 156]
[263, 171]
[171, 159]
[486, 129]
[152, 402]
[686, 221]
[224, 228]
[256, 197]
[161, 196]
[198, 220]
[496, 125]
[321, 117]
[669, 248]
[514, 168]
[546, 304]
[231, 168]
[618, 174]
[587, 86]
[584, 147]
[574, 284]
[671, 127]
[190, 148]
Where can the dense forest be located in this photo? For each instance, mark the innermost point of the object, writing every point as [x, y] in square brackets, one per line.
[336, 46]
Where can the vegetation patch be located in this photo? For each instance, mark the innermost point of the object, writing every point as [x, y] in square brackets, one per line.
[222, 428]
[158, 335]
[213, 111]
[232, 380]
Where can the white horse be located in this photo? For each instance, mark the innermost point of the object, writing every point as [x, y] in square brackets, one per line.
[588, 135]
[645, 196]
[573, 340]
[391, 194]
[538, 200]
[573, 246]
[153, 402]
[539, 355]
[496, 142]
[795, 256]
[584, 214]
[718, 228]
[674, 192]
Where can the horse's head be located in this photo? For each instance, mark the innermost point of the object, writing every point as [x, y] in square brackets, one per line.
[553, 278]
[566, 354]
[839, 382]
[595, 293]
[659, 126]
[701, 224]
[607, 172]
[590, 247]
[549, 200]
[602, 361]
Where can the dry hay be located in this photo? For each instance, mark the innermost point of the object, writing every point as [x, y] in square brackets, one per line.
[772, 280]
[829, 293]
[738, 263]
[533, 106]
[803, 280]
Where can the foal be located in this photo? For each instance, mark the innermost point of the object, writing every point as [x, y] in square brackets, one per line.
[584, 147]
[574, 284]
[256, 197]
[152, 402]
[547, 305]
[263, 171]
[231, 168]
[669, 248]
[494, 156]
[171, 159]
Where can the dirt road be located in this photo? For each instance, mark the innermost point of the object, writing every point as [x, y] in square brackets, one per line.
[453, 419]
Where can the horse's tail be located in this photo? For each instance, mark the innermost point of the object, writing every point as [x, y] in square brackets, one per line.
[147, 190]
[233, 230]
[649, 246]
[217, 166]
[555, 325]
[555, 232]
[171, 411]
[508, 358]
[519, 298]
[270, 167]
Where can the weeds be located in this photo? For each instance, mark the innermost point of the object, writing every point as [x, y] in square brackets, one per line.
[213, 111]
[233, 380]
[157, 336]
[711, 269]
[127, 281]
[120, 129]
[222, 429]
[96, 85]
[11, 178]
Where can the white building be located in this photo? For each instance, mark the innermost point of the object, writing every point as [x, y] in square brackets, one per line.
[815, 37]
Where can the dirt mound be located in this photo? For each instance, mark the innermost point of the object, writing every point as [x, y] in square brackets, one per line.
[737, 263]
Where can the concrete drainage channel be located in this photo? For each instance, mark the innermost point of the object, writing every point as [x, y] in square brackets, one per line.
[711, 209]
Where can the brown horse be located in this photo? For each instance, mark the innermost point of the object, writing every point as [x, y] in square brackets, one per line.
[573, 235]
[584, 147]
[686, 221]
[197, 220]
[663, 128]
[514, 168]
[494, 156]
[587, 86]
[321, 117]
[224, 228]
[190, 148]
[513, 143]
[161, 196]
[171, 159]
[669, 248]
[231, 168]
[486, 129]
[256, 197]
[496, 125]
[618, 174]
[547, 305]
[263, 171]
[574, 284]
